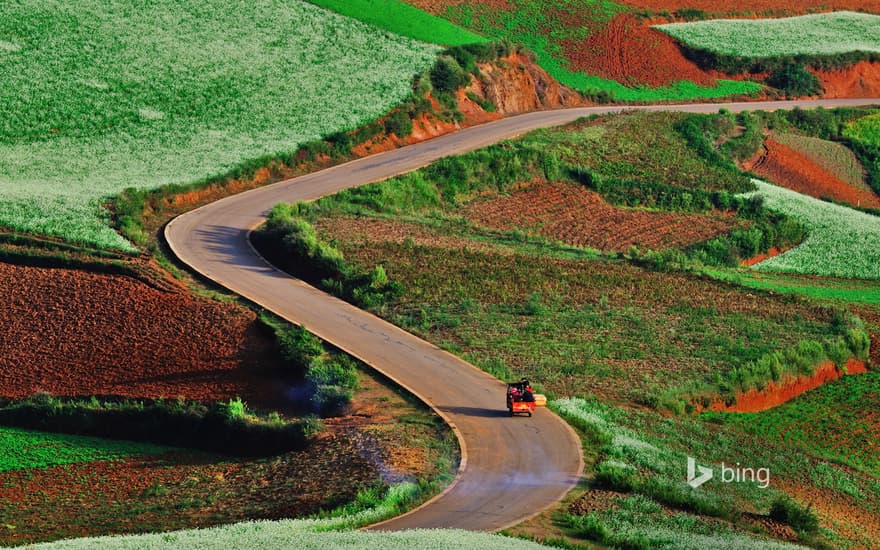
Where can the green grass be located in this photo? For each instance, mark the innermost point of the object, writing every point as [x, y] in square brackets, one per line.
[542, 24]
[400, 18]
[97, 96]
[841, 242]
[835, 422]
[25, 450]
[830, 290]
[652, 452]
[809, 35]
[865, 130]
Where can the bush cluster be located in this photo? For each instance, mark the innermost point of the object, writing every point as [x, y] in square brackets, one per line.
[222, 427]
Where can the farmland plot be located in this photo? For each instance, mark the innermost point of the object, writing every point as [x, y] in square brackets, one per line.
[817, 34]
[842, 242]
[190, 90]
[865, 130]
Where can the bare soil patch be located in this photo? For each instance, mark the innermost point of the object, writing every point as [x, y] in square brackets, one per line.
[786, 167]
[577, 216]
[859, 80]
[631, 52]
[75, 333]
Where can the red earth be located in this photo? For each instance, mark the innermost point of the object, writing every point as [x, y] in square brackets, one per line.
[786, 167]
[775, 394]
[629, 51]
[75, 333]
[577, 216]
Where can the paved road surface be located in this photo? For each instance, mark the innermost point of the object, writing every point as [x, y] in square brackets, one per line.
[511, 468]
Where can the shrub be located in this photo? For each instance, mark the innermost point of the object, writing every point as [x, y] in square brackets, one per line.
[801, 519]
[795, 80]
[399, 124]
[615, 477]
[448, 76]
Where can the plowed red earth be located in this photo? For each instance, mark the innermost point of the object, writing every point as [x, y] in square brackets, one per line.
[579, 217]
[750, 7]
[629, 51]
[74, 333]
[786, 167]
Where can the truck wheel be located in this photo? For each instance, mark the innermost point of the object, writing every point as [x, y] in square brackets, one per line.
[510, 412]
[530, 414]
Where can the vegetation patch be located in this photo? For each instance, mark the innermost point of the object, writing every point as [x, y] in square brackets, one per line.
[834, 422]
[821, 34]
[865, 129]
[841, 242]
[25, 450]
[204, 95]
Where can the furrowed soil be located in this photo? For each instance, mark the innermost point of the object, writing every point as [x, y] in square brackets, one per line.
[574, 215]
[631, 52]
[784, 166]
[75, 333]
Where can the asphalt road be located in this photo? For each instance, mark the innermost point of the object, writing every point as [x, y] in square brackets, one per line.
[512, 468]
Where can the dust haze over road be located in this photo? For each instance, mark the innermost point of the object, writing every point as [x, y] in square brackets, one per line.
[512, 468]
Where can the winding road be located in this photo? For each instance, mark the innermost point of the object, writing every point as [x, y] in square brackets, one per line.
[511, 469]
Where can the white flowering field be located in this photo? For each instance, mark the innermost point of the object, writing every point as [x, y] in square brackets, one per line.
[815, 34]
[841, 242]
[100, 95]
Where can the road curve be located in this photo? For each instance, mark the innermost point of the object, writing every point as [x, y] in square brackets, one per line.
[511, 468]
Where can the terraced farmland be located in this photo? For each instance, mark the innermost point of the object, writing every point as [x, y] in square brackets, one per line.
[838, 422]
[190, 90]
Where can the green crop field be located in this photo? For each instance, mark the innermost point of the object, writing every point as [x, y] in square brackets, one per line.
[837, 422]
[865, 130]
[841, 242]
[190, 90]
[400, 18]
[824, 289]
[24, 450]
[816, 34]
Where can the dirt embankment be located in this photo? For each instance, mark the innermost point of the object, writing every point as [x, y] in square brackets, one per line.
[859, 80]
[777, 393]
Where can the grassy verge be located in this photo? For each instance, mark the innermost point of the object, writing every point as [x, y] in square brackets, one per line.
[842, 291]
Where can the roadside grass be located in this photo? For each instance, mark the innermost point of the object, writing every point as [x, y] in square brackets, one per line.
[89, 111]
[865, 129]
[811, 35]
[401, 18]
[841, 241]
[25, 449]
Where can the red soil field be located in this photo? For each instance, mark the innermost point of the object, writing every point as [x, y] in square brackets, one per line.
[777, 393]
[177, 490]
[629, 51]
[749, 7]
[579, 217]
[786, 167]
[75, 333]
